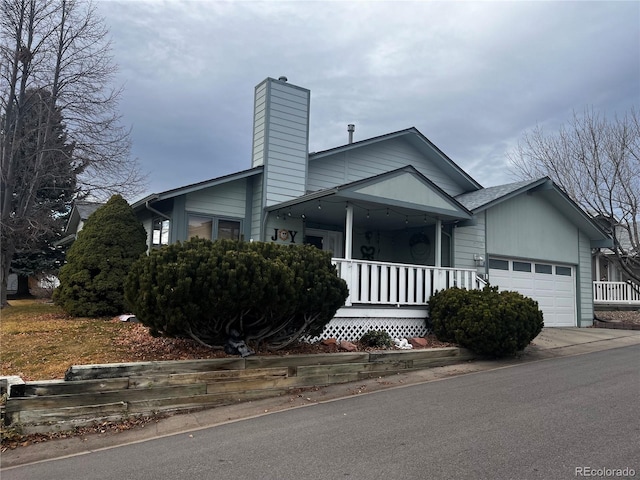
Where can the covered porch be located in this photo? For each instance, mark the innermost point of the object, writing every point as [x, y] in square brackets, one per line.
[616, 294]
[391, 241]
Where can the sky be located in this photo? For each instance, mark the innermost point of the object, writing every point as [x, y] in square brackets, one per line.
[472, 77]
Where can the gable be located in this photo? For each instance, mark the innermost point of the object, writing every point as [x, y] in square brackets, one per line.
[405, 189]
[378, 155]
[528, 226]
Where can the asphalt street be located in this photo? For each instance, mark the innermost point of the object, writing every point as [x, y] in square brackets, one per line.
[552, 419]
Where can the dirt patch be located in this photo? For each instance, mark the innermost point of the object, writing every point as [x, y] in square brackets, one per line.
[142, 347]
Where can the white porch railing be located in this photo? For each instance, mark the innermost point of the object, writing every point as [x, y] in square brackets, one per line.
[379, 283]
[616, 293]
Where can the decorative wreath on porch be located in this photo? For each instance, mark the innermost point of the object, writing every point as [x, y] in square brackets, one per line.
[420, 246]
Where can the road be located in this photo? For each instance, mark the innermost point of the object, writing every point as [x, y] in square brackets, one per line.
[538, 420]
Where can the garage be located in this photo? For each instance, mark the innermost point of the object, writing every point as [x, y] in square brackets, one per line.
[552, 285]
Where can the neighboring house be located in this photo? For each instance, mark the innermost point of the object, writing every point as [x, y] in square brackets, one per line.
[401, 218]
[606, 266]
[80, 212]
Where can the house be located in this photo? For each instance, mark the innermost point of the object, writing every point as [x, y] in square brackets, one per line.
[612, 284]
[400, 217]
[80, 212]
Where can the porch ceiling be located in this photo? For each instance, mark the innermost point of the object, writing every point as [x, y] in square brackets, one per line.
[331, 210]
[393, 200]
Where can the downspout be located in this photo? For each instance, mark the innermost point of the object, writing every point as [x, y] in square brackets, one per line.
[151, 209]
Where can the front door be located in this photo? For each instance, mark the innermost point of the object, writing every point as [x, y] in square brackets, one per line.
[327, 240]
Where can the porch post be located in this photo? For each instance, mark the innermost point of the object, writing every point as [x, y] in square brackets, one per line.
[438, 246]
[597, 258]
[348, 233]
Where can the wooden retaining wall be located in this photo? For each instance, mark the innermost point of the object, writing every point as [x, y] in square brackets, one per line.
[97, 393]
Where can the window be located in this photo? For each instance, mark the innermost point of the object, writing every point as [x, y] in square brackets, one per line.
[229, 229]
[566, 271]
[543, 268]
[498, 264]
[160, 235]
[521, 266]
[212, 228]
[200, 227]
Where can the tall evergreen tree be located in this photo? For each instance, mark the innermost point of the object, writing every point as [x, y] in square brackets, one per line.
[92, 281]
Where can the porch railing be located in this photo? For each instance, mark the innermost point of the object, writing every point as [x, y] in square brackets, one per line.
[616, 293]
[379, 283]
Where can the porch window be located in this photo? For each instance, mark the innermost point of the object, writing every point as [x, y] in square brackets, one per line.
[212, 228]
[160, 235]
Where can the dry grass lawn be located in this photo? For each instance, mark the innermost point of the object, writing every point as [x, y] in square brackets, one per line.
[38, 341]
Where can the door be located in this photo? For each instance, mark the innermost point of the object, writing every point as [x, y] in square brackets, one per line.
[552, 285]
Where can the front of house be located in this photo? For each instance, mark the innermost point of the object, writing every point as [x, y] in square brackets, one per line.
[401, 219]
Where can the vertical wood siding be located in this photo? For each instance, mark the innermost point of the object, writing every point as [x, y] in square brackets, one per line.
[373, 160]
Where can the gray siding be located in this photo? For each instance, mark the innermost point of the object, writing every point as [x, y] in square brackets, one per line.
[527, 226]
[260, 105]
[281, 139]
[226, 200]
[469, 241]
[256, 209]
[585, 287]
[371, 160]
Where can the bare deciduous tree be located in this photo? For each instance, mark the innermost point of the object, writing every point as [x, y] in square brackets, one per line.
[60, 47]
[596, 161]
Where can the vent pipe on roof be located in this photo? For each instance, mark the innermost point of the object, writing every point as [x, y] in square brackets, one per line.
[351, 128]
[283, 78]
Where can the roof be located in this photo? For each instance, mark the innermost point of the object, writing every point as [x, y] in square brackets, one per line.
[422, 144]
[481, 200]
[487, 196]
[197, 186]
[405, 190]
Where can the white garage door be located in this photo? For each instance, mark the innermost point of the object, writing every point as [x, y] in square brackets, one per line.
[552, 286]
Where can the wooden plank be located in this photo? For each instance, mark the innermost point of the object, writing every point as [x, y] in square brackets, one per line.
[115, 370]
[91, 412]
[100, 398]
[305, 371]
[61, 387]
[418, 354]
[146, 381]
[298, 360]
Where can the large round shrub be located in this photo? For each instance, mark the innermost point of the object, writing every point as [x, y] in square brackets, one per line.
[205, 290]
[485, 321]
[91, 282]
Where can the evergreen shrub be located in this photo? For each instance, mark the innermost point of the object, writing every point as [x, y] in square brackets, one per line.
[485, 321]
[264, 291]
[92, 280]
[377, 339]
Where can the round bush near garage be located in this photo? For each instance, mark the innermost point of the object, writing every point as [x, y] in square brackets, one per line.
[486, 321]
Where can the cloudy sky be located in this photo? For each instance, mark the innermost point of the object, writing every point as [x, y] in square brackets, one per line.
[471, 76]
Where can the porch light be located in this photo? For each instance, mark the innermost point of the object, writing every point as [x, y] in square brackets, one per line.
[406, 220]
[478, 259]
[319, 205]
[303, 216]
[367, 213]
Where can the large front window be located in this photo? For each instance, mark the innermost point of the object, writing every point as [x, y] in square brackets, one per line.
[212, 228]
